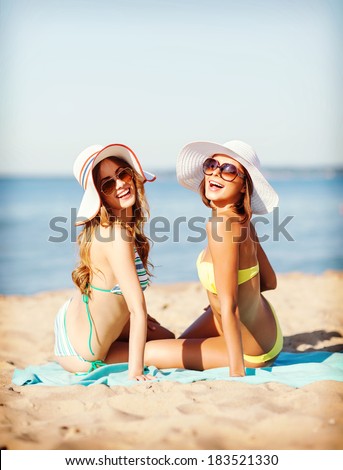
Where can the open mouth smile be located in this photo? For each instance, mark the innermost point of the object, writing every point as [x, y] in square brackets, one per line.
[215, 185]
[124, 194]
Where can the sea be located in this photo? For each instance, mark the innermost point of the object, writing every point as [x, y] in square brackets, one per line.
[38, 235]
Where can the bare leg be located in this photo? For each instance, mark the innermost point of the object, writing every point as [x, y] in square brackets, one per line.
[204, 327]
[196, 354]
[193, 353]
[199, 347]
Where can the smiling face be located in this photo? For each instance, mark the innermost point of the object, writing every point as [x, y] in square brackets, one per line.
[121, 200]
[224, 193]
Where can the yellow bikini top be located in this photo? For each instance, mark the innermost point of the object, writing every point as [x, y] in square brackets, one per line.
[206, 274]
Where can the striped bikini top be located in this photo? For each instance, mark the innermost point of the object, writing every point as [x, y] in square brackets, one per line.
[142, 276]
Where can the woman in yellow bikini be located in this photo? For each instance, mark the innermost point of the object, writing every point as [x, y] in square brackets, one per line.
[106, 320]
[239, 328]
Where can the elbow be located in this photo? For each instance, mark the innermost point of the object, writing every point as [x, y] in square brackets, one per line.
[137, 313]
[136, 306]
[137, 310]
[230, 307]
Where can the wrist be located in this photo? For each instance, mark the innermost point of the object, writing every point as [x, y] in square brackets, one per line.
[133, 371]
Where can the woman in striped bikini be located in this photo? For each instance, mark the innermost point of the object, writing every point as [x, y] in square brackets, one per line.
[101, 323]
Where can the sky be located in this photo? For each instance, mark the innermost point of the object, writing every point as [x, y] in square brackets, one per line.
[157, 74]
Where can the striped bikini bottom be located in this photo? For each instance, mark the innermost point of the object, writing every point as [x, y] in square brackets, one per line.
[63, 346]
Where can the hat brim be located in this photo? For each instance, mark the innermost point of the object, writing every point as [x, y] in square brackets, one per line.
[190, 174]
[126, 154]
[90, 205]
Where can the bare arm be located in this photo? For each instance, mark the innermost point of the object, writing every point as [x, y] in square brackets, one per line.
[120, 254]
[224, 249]
[267, 274]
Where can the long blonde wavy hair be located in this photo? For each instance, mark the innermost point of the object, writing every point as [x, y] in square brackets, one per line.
[83, 273]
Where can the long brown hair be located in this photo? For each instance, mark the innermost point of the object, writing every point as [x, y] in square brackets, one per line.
[243, 206]
[83, 273]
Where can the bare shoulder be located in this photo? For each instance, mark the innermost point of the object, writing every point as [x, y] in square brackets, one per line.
[227, 226]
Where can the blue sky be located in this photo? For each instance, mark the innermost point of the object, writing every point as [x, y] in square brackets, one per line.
[157, 74]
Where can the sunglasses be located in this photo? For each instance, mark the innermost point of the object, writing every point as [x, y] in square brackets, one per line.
[228, 171]
[125, 175]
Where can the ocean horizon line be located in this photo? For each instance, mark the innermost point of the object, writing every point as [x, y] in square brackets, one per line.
[273, 171]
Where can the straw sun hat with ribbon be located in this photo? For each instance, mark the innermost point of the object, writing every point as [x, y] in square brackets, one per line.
[192, 157]
[83, 171]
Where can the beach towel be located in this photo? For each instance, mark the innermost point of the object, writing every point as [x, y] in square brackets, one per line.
[293, 369]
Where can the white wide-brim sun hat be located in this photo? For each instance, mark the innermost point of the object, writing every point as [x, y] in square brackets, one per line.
[83, 172]
[193, 155]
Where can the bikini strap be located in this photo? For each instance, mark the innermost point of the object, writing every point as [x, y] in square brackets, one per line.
[98, 288]
[85, 300]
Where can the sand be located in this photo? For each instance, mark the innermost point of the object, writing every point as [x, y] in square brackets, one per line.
[201, 415]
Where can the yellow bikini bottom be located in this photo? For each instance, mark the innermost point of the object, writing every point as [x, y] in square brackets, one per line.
[276, 349]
